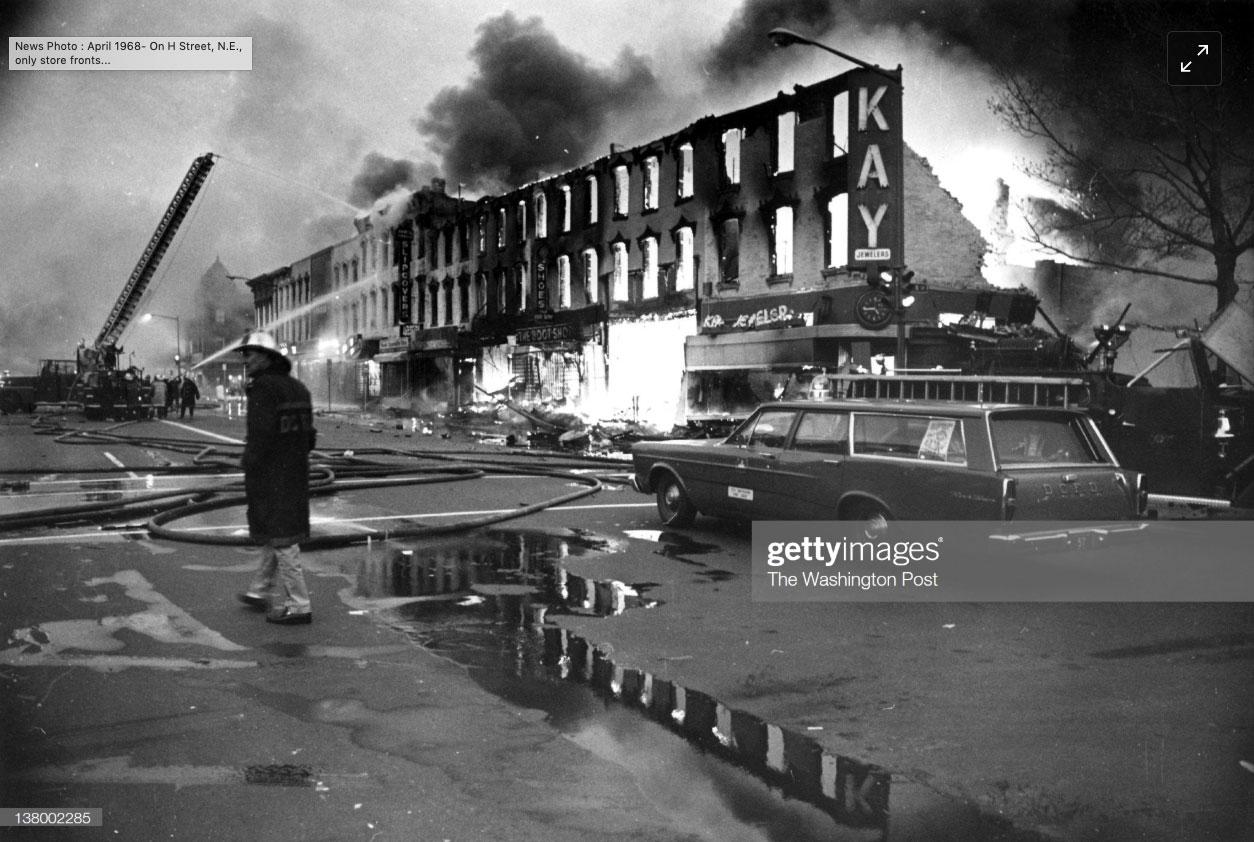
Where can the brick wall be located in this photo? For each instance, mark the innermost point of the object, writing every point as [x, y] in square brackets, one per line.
[942, 245]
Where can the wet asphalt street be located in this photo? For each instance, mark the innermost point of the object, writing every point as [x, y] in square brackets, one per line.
[574, 674]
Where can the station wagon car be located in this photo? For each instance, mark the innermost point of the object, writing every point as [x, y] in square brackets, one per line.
[875, 460]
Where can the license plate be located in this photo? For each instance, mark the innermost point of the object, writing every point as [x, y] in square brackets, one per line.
[739, 493]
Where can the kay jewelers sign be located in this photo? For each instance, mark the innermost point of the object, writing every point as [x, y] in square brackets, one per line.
[876, 198]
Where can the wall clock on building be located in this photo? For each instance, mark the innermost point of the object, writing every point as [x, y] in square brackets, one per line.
[874, 309]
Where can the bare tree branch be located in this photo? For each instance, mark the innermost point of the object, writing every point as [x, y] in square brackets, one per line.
[1146, 172]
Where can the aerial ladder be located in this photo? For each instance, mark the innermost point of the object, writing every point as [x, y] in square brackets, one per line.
[97, 384]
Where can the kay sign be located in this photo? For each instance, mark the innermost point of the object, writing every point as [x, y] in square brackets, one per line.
[876, 199]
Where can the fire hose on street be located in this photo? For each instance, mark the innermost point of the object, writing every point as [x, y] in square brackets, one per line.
[330, 473]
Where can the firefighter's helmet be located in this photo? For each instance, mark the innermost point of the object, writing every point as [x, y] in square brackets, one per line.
[259, 340]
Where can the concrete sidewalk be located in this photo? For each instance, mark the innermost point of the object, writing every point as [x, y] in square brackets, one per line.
[1074, 721]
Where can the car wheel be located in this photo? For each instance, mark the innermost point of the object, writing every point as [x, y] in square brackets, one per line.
[673, 505]
[873, 516]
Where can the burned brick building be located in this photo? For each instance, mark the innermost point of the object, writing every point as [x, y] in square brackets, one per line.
[739, 249]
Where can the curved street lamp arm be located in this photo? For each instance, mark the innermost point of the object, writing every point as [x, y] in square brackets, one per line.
[781, 37]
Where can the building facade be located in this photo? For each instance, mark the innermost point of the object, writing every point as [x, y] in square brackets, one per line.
[679, 277]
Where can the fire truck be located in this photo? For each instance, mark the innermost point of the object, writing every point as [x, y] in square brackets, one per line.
[25, 392]
[1177, 405]
[100, 387]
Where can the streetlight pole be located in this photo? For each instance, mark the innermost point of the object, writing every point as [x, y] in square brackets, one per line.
[178, 338]
[899, 313]
[781, 37]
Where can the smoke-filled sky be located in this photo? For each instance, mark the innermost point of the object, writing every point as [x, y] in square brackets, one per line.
[349, 99]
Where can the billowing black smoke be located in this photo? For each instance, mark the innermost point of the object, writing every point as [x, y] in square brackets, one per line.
[381, 175]
[1094, 68]
[533, 106]
[743, 48]
[1047, 41]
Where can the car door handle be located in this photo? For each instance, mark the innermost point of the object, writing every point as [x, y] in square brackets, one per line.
[771, 456]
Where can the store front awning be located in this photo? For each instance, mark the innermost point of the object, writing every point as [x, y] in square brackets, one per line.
[391, 357]
[442, 340]
[817, 345]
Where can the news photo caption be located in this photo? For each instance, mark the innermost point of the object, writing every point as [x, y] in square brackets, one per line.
[149, 52]
[946, 561]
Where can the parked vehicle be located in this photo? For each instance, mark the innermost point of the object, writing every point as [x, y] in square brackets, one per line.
[1178, 406]
[24, 393]
[873, 460]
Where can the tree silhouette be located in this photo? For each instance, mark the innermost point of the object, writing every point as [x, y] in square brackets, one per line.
[1150, 178]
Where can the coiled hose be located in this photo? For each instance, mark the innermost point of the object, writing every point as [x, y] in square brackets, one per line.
[330, 473]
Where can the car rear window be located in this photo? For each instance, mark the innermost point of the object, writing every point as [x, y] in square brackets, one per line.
[934, 438]
[1030, 438]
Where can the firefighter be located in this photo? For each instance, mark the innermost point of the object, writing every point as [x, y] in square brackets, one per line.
[189, 392]
[278, 438]
[130, 388]
[159, 400]
[172, 393]
[145, 397]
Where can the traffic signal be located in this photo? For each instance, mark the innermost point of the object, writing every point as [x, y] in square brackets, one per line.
[894, 282]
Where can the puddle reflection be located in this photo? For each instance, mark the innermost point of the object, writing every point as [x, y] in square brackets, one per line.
[519, 575]
[481, 600]
[855, 794]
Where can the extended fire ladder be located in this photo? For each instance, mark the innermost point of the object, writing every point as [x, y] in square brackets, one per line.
[947, 386]
[134, 290]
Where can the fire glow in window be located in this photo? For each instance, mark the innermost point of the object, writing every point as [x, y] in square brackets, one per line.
[563, 282]
[621, 185]
[651, 183]
[684, 189]
[620, 271]
[785, 131]
[731, 156]
[542, 215]
[781, 236]
[593, 200]
[591, 277]
[838, 232]
[649, 288]
[684, 272]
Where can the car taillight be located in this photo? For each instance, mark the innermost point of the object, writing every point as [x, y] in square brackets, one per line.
[1008, 499]
[1142, 494]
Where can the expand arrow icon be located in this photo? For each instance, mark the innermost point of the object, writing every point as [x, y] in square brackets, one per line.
[1185, 65]
[1203, 49]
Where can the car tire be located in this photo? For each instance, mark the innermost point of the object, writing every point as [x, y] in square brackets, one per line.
[673, 505]
[874, 517]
